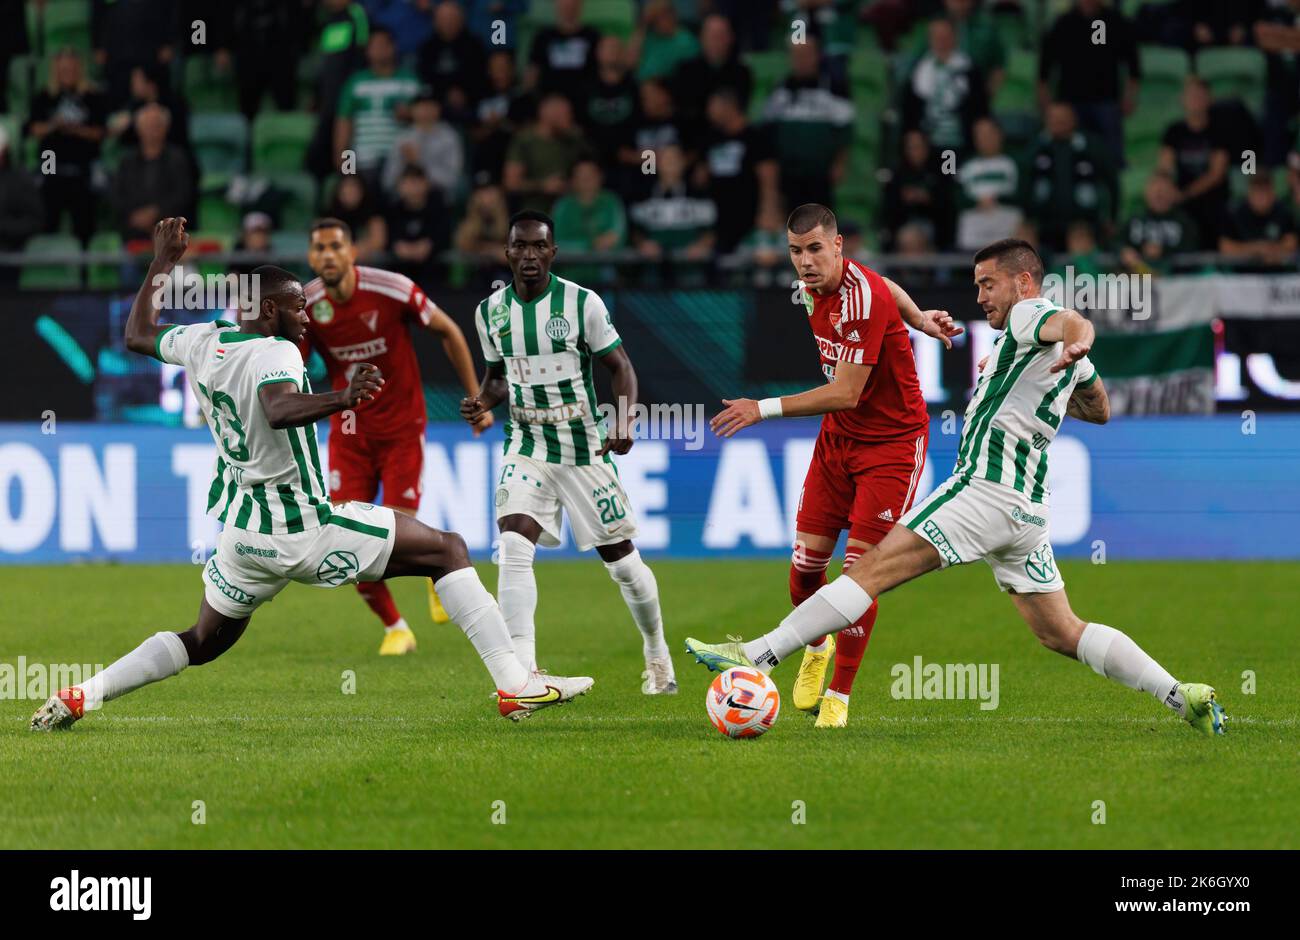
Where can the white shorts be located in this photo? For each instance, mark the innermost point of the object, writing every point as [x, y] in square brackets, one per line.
[248, 569]
[598, 509]
[967, 520]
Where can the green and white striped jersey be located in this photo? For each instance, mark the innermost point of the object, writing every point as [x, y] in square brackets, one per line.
[1018, 405]
[267, 480]
[547, 345]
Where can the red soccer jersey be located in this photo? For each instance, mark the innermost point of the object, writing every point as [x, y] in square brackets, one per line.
[373, 326]
[860, 323]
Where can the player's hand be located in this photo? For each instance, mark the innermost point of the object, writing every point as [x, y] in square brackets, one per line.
[1070, 355]
[984, 360]
[739, 413]
[170, 240]
[364, 385]
[940, 325]
[620, 442]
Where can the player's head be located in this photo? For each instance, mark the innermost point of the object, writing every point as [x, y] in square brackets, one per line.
[530, 246]
[330, 250]
[281, 303]
[816, 245]
[1006, 272]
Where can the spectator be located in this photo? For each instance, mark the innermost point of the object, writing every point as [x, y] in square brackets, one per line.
[717, 67]
[660, 43]
[918, 193]
[990, 184]
[21, 214]
[68, 118]
[541, 158]
[483, 17]
[589, 219]
[1081, 252]
[354, 203]
[1154, 236]
[563, 57]
[1068, 179]
[151, 84]
[265, 44]
[655, 126]
[416, 231]
[978, 37]
[254, 239]
[739, 168]
[373, 104]
[430, 144]
[1099, 80]
[407, 20]
[454, 62]
[1278, 34]
[610, 105]
[674, 218]
[485, 226]
[13, 41]
[945, 92]
[1216, 23]
[126, 35]
[751, 20]
[913, 241]
[1194, 151]
[154, 180]
[769, 252]
[343, 35]
[1260, 229]
[812, 117]
[499, 115]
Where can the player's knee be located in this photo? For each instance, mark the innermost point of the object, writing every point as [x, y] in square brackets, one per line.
[199, 646]
[455, 553]
[1061, 638]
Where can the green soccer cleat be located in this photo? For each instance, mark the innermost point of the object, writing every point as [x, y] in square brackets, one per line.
[1204, 713]
[719, 657]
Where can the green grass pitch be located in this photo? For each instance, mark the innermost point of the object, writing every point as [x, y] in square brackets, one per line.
[418, 758]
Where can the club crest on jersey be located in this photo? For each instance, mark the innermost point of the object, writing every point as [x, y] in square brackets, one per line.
[557, 327]
[498, 315]
[1040, 565]
[371, 319]
[322, 311]
[336, 567]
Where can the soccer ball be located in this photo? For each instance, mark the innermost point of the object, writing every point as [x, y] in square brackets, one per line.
[743, 702]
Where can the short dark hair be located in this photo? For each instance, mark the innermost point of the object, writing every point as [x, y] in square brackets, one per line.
[330, 222]
[810, 215]
[272, 280]
[533, 215]
[1015, 255]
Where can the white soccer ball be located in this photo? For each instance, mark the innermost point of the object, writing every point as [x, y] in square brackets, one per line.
[743, 702]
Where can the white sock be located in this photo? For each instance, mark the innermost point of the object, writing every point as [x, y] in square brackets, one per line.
[1112, 654]
[842, 696]
[159, 657]
[399, 625]
[474, 610]
[820, 647]
[641, 594]
[517, 595]
[830, 610]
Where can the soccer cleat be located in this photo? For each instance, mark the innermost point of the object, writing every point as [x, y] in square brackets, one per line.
[397, 643]
[834, 713]
[659, 676]
[812, 673]
[1204, 713]
[542, 691]
[719, 657]
[60, 712]
[437, 613]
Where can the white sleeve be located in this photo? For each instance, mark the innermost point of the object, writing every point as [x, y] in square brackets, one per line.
[1085, 373]
[490, 353]
[1027, 318]
[280, 361]
[598, 325]
[174, 342]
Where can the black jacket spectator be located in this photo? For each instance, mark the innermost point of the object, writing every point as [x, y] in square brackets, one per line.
[454, 64]
[717, 67]
[563, 58]
[21, 214]
[127, 33]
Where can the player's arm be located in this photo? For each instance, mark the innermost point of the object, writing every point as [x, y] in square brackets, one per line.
[1089, 402]
[142, 327]
[936, 323]
[286, 407]
[1070, 328]
[623, 384]
[840, 394]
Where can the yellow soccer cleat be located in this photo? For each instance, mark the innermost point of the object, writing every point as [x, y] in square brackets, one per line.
[437, 613]
[812, 673]
[397, 643]
[834, 713]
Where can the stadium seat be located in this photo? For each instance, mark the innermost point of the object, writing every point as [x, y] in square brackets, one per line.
[868, 74]
[1147, 125]
[206, 90]
[769, 69]
[280, 139]
[105, 276]
[36, 275]
[66, 23]
[299, 207]
[617, 17]
[220, 141]
[216, 212]
[1235, 73]
[1132, 182]
[1019, 91]
[1163, 72]
[288, 243]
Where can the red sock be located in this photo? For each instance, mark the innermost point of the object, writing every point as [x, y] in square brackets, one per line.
[807, 575]
[376, 594]
[851, 642]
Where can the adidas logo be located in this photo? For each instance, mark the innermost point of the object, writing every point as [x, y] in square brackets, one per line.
[853, 337]
[886, 515]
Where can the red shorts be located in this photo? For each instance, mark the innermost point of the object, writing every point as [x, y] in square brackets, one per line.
[359, 464]
[862, 487]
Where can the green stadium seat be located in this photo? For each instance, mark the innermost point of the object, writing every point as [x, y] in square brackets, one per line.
[1235, 73]
[1019, 91]
[216, 213]
[105, 276]
[1147, 124]
[1013, 29]
[220, 141]
[207, 90]
[289, 243]
[769, 69]
[616, 17]
[299, 207]
[38, 275]
[280, 139]
[1163, 72]
[1132, 182]
[868, 72]
[66, 23]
